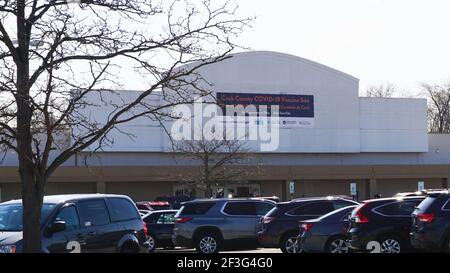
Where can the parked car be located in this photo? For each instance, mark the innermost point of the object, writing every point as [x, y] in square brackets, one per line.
[271, 198]
[279, 228]
[160, 226]
[327, 233]
[78, 223]
[384, 221]
[417, 193]
[175, 201]
[431, 223]
[147, 206]
[210, 225]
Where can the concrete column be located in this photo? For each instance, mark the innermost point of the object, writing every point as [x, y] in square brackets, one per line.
[285, 190]
[373, 187]
[100, 185]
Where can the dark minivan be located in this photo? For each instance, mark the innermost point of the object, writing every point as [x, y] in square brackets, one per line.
[88, 223]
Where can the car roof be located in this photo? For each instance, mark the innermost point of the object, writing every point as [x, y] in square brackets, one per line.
[401, 198]
[162, 211]
[57, 199]
[309, 199]
[227, 200]
[158, 211]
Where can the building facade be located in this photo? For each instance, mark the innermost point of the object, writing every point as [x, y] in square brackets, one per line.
[331, 140]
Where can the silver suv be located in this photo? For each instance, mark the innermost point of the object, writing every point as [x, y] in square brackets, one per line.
[210, 225]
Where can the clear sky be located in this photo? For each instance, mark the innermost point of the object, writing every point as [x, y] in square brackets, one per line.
[378, 41]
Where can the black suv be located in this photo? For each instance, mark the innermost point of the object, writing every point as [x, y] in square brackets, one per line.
[279, 228]
[431, 224]
[383, 225]
[78, 223]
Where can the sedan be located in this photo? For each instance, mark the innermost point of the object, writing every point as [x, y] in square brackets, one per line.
[160, 224]
[327, 233]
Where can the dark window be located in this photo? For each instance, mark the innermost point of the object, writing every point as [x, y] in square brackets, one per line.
[166, 218]
[447, 205]
[93, 213]
[197, 208]
[398, 209]
[70, 216]
[339, 204]
[316, 208]
[151, 219]
[240, 208]
[122, 210]
[263, 208]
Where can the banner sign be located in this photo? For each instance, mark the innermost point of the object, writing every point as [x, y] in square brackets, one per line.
[295, 111]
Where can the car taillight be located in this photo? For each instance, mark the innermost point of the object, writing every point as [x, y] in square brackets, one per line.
[306, 227]
[425, 217]
[360, 218]
[145, 229]
[267, 220]
[183, 220]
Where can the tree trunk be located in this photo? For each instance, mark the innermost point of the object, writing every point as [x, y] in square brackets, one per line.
[32, 198]
[32, 188]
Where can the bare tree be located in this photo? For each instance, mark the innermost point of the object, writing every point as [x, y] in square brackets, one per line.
[438, 107]
[55, 54]
[381, 91]
[219, 162]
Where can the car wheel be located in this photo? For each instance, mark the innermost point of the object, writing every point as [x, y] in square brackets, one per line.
[338, 245]
[151, 243]
[289, 243]
[390, 245]
[208, 243]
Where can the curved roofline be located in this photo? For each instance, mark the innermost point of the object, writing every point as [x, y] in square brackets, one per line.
[294, 57]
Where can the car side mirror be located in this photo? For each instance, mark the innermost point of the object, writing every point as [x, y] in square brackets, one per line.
[57, 226]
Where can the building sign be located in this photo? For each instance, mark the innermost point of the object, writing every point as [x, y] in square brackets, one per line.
[291, 187]
[295, 111]
[421, 186]
[353, 189]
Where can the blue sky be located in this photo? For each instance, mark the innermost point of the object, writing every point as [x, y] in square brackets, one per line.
[399, 41]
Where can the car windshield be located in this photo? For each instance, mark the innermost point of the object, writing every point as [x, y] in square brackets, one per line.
[11, 216]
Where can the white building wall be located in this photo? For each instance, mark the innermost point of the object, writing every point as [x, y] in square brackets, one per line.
[344, 123]
[393, 125]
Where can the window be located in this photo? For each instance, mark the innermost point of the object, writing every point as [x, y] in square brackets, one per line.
[240, 208]
[70, 216]
[426, 204]
[11, 216]
[447, 205]
[339, 204]
[263, 208]
[398, 209]
[93, 213]
[316, 208]
[197, 208]
[166, 218]
[122, 210]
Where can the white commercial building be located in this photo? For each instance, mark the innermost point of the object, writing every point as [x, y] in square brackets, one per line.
[328, 141]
